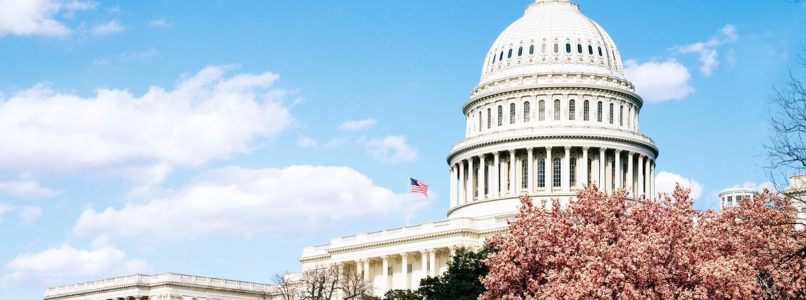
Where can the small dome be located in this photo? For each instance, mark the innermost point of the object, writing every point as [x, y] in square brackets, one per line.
[553, 36]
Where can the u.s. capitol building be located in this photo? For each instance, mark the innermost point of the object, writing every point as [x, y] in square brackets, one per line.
[551, 114]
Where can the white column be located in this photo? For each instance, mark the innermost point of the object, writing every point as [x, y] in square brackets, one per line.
[630, 181]
[549, 171]
[640, 176]
[432, 260]
[470, 187]
[530, 178]
[496, 174]
[511, 172]
[424, 263]
[652, 179]
[585, 168]
[404, 269]
[385, 270]
[619, 174]
[462, 190]
[358, 270]
[601, 182]
[366, 269]
[647, 178]
[482, 173]
[453, 186]
[340, 292]
[565, 180]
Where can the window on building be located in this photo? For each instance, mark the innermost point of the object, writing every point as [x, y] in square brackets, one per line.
[579, 48]
[532, 49]
[611, 113]
[556, 175]
[489, 118]
[621, 116]
[480, 122]
[541, 173]
[520, 51]
[600, 51]
[500, 115]
[599, 112]
[527, 110]
[568, 48]
[556, 48]
[541, 110]
[730, 200]
[512, 113]
[543, 47]
[556, 110]
[390, 270]
[524, 173]
[573, 171]
[509, 54]
[501, 56]
[586, 111]
[408, 268]
[572, 110]
[590, 49]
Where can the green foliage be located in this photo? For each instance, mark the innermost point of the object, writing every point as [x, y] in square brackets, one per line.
[402, 295]
[461, 281]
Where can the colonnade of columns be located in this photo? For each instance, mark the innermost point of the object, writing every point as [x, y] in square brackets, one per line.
[399, 271]
[550, 171]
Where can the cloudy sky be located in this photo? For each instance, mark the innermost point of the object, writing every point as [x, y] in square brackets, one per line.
[218, 138]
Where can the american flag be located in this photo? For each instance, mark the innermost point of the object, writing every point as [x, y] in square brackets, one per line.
[418, 187]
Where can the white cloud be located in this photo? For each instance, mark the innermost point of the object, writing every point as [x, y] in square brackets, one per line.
[707, 50]
[665, 182]
[26, 187]
[160, 23]
[391, 149]
[239, 201]
[306, 142]
[659, 81]
[357, 125]
[747, 185]
[4, 208]
[207, 116]
[57, 264]
[30, 214]
[37, 17]
[107, 28]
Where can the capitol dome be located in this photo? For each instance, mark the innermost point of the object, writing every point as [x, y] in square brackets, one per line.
[551, 115]
[552, 36]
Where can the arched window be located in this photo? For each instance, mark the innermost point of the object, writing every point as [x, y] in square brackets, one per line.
[509, 54]
[556, 48]
[586, 111]
[541, 110]
[600, 51]
[532, 49]
[621, 116]
[526, 111]
[524, 173]
[573, 171]
[572, 110]
[611, 113]
[579, 48]
[599, 112]
[512, 113]
[556, 110]
[568, 47]
[500, 115]
[541, 173]
[590, 49]
[480, 122]
[489, 118]
[520, 51]
[557, 173]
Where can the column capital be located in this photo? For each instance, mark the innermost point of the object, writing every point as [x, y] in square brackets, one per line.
[585, 148]
[404, 254]
[617, 151]
[567, 148]
[385, 258]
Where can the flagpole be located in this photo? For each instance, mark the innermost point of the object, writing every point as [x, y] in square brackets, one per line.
[408, 199]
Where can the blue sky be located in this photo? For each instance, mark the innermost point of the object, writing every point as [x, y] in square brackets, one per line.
[218, 138]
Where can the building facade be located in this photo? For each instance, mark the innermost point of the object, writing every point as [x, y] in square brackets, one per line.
[551, 114]
[731, 197]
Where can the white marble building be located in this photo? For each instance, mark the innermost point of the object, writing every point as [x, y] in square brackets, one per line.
[731, 197]
[551, 114]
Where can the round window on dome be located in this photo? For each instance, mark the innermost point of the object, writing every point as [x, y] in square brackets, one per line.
[600, 51]
[531, 49]
[590, 49]
[509, 54]
[568, 47]
[579, 48]
[520, 51]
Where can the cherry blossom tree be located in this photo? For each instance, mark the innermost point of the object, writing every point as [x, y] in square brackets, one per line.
[607, 247]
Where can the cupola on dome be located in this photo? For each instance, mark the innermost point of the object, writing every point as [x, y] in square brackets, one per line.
[553, 36]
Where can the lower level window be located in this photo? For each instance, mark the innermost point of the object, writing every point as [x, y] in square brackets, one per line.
[557, 174]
